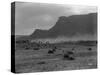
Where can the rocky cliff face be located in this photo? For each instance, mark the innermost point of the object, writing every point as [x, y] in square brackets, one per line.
[70, 26]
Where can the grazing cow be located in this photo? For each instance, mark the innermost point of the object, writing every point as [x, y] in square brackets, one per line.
[71, 58]
[50, 52]
[70, 52]
[68, 57]
[35, 48]
[42, 62]
[89, 49]
[26, 48]
[54, 49]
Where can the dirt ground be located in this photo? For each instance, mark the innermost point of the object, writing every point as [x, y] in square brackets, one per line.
[40, 61]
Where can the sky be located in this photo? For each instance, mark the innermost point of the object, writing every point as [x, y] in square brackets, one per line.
[30, 16]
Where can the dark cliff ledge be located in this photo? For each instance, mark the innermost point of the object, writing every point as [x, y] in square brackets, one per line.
[70, 26]
[39, 33]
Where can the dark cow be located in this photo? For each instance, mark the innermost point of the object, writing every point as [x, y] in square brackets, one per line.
[70, 52]
[71, 58]
[89, 49]
[27, 48]
[36, 48]
[69, 55]
[66, 56]
[50, 52]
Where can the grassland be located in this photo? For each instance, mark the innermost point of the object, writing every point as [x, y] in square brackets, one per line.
[31, 60]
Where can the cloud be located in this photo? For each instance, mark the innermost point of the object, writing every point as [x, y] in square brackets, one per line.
[83, 9]
[30, 16]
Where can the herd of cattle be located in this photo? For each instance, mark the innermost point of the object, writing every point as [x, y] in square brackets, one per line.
[69, 55]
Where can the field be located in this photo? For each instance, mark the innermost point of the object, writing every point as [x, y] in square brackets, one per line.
[31, 60]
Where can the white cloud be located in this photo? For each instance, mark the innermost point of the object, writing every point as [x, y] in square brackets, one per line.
[44, 16]
[83, 9]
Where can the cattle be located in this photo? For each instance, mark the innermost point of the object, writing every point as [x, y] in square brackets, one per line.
[36, 48]
[50, 52]
[68, 55]
[70, 52]
[27, 48]
[71, 58]
[89, 49]
[42, 62]
[54, 49]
